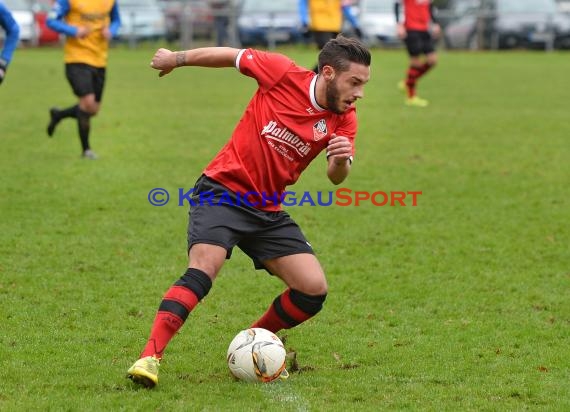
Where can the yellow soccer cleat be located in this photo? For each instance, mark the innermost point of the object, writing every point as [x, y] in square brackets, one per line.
[145, 371]
[416, 102]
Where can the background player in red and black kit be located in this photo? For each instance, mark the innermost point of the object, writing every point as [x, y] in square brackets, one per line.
[293, 116]
[415, 31]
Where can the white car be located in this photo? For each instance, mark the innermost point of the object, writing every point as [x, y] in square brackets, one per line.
[378, 22]
[141, 19]
[24, 16]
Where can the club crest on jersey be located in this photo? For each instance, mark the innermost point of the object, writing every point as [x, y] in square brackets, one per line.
[319, 130]
[283, 135]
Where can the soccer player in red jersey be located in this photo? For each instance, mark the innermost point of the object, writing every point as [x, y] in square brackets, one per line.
[415, 31]
[293, 116]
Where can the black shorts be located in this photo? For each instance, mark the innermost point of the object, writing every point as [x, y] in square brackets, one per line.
[85, 79]
[260, 234]
[419, 42]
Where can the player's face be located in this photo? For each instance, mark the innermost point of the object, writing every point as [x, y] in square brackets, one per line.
[346, 87]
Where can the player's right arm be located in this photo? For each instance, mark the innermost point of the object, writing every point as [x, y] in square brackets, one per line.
[166, 60]
[56, 22]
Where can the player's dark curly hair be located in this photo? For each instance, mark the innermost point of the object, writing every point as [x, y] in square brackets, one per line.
[341, 51]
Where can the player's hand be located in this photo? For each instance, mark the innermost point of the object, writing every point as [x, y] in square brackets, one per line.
[339, 149]
[163, 60]
[436, 31]
[82, 32]
[401, 30]
[107, 33]
[3, 68]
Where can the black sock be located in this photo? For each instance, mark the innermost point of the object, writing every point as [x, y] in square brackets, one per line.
[69, 112]
[83, 125]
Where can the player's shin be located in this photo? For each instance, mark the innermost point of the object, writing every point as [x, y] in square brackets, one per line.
[411, 79]
[289, 310]
[84, 127]
[175, 307]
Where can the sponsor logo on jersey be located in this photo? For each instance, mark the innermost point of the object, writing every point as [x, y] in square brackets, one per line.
[93, 16]
[283, 135]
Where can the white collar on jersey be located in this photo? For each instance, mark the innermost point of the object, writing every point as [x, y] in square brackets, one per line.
[313, 92]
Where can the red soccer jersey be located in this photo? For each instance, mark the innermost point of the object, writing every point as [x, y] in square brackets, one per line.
[282, 130]
[417, 14]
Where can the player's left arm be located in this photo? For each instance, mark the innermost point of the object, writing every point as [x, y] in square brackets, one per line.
[348, 13]
[340, 148]
[115, 24]
[166, 60]
[339, 158]
[303, 8]
[436, 28]
[400, 28]
[11, 42]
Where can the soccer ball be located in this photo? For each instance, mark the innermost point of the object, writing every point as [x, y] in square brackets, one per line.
[256, 355]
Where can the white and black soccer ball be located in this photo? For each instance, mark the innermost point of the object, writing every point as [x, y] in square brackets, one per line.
[256, 355]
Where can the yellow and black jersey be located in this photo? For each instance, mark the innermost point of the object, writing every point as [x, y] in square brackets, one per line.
[95, 15]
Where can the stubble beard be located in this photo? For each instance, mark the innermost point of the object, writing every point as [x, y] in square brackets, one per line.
[333, 97]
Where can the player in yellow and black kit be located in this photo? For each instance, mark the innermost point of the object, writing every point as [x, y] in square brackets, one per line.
[324, 19]
[89, 26]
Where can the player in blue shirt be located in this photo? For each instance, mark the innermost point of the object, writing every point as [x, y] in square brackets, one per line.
[10, 42]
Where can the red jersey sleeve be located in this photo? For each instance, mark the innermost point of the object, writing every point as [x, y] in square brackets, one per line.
[267, 68]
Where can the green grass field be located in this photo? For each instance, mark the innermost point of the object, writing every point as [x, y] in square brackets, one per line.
[460, 303]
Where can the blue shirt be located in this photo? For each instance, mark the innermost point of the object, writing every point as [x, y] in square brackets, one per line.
[12, 33]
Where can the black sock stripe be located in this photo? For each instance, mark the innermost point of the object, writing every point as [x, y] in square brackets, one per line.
[196, 281]
[282, 314]
[307, 303]
[174, 307]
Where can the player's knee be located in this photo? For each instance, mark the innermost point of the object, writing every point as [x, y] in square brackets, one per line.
[89, 106]
[310, 304]
[313, 287]
[416, 62]
[92, 109]
[197, 281]
[319, 289]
